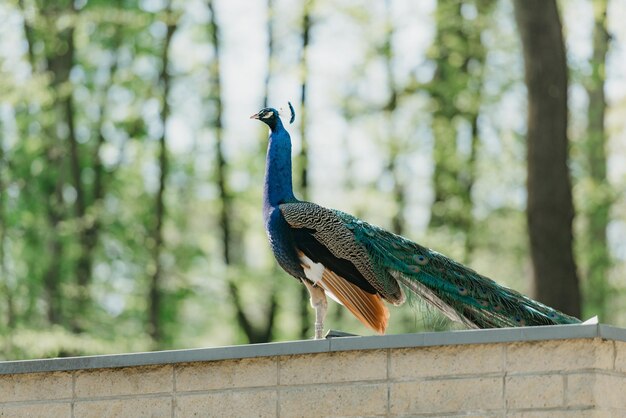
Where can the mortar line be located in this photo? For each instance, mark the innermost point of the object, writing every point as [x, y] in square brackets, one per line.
[504, 375]
[119, 397]
[174, 391]
[278, 390]
[73, 393]
[388, 382]
[614, 355]
[565, 383]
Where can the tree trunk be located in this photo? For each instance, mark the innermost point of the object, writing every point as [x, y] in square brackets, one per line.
[550, 209]
[5, 286]
[395, 148]
[90, 227]
[446, 209]
[83, 267]
[600, 196]
[270, 53]
[88, 211]
[253, 333]
[468, 186]
[303, 157]
[59, 57]
[156, 292]
[460, 58]
[267, 334]
[52, 273]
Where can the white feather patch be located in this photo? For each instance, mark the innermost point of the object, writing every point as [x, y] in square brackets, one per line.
[312, 270]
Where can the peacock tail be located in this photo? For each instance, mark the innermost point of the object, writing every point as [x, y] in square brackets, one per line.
[459, 292]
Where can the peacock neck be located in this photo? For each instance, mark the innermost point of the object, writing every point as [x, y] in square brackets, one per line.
[278, 186]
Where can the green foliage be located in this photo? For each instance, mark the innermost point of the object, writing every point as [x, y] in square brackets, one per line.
[385, 113]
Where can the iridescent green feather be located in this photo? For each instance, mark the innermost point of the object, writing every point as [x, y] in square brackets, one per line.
[461, 293]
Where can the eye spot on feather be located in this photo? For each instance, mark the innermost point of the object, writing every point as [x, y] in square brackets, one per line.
[420, 259]
[552, 315]
[520, 321]
[414, 269]
[497, 308]
[462, 290]
[483, 303]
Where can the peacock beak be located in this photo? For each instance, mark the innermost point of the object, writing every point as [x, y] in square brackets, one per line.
[255, 116]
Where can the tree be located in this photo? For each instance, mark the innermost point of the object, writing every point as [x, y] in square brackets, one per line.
[89, 211]
[600, 196]
[394, 140]
[5, 286]
[58, 59]
[550, 210]
[157, 243]
[303, 157]
[456, 91]
[254, 333]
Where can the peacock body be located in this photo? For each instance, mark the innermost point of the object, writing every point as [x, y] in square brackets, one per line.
[359, 265]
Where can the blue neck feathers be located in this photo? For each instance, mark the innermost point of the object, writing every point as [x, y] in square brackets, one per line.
[277, 188]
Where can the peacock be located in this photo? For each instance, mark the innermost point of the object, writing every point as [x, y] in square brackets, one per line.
[360, 265]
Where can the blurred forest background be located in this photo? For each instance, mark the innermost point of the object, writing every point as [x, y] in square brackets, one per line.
[131, 177]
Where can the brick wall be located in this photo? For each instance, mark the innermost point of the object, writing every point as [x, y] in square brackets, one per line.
[572, 377]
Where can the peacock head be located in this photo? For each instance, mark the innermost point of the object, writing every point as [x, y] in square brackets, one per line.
[271, 116]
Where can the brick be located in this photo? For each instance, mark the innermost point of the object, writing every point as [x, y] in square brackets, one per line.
[35, 386]
[596, 390]
[153, 407]
[563, 355]
[540, 391]
[610, 392]
[250, 403]
[242, 373]
[581, 390]
[124, 381]
[561, 413]
[333, 367]
[445, 361]
[57, 410]
[330, 400]
[446, 395]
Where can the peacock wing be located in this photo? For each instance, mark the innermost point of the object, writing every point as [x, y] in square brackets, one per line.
[332, 259]
[328, 236]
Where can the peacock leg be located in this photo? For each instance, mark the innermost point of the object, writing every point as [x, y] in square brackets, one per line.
[318, 302]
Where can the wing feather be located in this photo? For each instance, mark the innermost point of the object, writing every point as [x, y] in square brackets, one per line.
[366, 307]
[325, 237]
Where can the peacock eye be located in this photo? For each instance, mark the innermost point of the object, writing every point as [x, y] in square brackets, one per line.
[268, 115]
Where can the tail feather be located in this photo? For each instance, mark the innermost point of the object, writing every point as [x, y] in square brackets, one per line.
[459, 292]
[426, 294]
